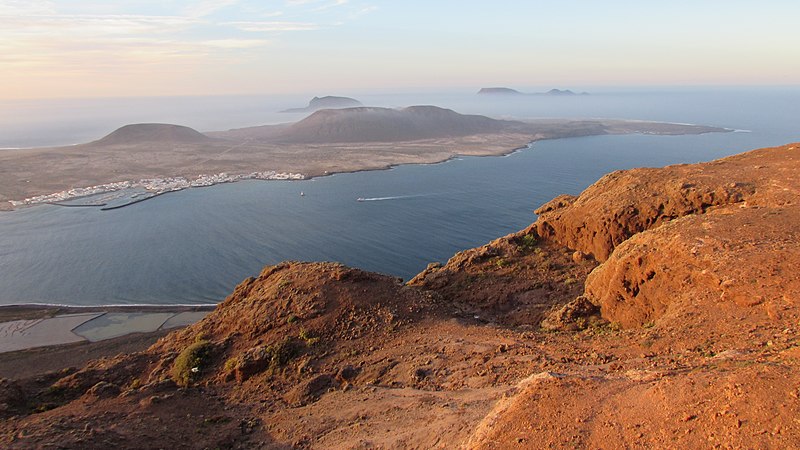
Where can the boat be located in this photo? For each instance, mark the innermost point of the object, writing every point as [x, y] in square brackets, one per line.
[302, 194]
[361, 199]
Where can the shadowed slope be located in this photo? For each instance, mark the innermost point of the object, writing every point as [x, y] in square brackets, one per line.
[153, 132]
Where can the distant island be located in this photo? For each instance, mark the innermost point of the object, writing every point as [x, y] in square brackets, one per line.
[499, 91]
[373, 124]
[509, 91]
[160, 158]
[327, 102]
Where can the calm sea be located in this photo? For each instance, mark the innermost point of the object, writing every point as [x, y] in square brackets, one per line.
[194, 246]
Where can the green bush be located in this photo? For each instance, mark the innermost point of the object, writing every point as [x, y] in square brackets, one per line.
[308, 337]
[528, 242]
[231, 364]
[191, 362]
[500, 262]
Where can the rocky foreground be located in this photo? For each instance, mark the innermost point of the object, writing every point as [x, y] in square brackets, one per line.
[658, 309]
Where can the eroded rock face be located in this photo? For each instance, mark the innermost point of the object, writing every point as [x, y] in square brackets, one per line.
[702, 263]
[624, 203]
[687, 234]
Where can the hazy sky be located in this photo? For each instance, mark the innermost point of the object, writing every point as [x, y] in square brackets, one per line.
[79, 48]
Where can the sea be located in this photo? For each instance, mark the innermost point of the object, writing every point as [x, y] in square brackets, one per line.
[194, 246]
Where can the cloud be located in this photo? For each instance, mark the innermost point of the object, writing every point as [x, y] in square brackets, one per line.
[71, 26]
[25, 7]
[42, 41]
[236, 43]
[334, 4]
[363, 11]
[208, 7]
[273, 26]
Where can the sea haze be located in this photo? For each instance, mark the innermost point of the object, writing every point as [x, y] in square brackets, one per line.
[193, 246]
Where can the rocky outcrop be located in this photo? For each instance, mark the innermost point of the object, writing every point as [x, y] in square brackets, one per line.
[684, 231]
[293, 309]
[711, 266]
[624, 203]
[515, 280]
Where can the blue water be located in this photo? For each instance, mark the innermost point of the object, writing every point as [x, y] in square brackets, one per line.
[194, 246]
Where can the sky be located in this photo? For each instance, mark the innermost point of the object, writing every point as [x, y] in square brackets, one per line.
[94, 48]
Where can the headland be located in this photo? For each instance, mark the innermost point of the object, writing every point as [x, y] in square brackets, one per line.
[159, 158]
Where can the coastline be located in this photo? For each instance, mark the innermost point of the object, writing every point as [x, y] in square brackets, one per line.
[64, 196]
[152, 186]
[45, 175]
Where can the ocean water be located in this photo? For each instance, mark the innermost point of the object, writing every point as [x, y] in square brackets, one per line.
[194, 246]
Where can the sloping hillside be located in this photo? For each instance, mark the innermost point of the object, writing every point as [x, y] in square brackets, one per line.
[368, 124]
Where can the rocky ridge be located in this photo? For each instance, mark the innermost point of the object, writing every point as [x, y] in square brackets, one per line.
[659, 308]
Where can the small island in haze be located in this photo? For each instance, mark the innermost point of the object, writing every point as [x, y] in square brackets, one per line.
[514, 92]
[327, 102]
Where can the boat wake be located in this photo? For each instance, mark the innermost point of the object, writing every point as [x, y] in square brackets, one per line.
[383, 199]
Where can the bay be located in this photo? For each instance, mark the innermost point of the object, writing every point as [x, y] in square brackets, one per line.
[194, 246]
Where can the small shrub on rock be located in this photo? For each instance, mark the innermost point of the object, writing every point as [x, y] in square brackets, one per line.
[191, 362]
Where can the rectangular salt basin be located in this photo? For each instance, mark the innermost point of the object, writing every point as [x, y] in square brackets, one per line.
[23, 334]
[111, 325]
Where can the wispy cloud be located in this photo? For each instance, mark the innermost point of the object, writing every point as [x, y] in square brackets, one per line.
[85, 41]
[273, 26]
[83, 25]
[236, 43]
[25, 7]
[330, 5]
[363, 11]
[208, 7]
